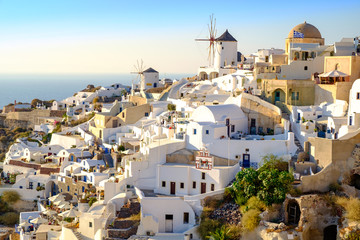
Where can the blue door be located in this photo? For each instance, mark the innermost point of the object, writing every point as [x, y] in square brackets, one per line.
[277, 96]
[246, 160]
[84, 178]
[321, 134]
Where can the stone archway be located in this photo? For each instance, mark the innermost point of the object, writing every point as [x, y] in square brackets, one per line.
[278, 95]
[203, 76]
[293, 212]
[213, 75]
[51, 189]
[330, 232]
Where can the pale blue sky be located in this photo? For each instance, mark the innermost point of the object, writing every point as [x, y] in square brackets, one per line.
[108, 36]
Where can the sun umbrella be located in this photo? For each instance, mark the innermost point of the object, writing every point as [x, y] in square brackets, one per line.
[70, 213]
[60, 202]
[65, 206]
[25, 224]
[57, 197]
[38, 220]
[49, 212]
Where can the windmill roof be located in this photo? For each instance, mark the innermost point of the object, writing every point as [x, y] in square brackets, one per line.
[150, 70]
[226, 37]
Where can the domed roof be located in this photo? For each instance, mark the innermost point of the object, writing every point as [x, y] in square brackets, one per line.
[309, 31]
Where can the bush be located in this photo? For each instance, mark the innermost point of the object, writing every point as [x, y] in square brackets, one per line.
[351, 206]
[295, 192]
[335, 187]
[67, 219]
[251, 219]
[9, 218]
[253, 203]
[171, 107]
[92, 200]
[271, 161]
[222, 233]
[121, 148]
[207, 225]
[10, 196]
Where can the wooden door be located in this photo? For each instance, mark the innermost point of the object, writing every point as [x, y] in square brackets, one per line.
[203, 188]
[172, 188]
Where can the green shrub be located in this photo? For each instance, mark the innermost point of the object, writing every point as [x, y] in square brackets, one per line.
[206, 226]
[92, 200]
[335, 187]
[295, 192]
[351, 206]
[253, 203]
[271, 161]
[67, 219]
[121, 148]
[250, 219]
[222, 233]
[171, 107]
[10, 196]
[9, 218]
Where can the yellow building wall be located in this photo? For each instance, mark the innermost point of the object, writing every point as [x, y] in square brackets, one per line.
[133, 114]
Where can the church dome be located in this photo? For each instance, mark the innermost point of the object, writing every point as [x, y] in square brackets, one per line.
[309, 31]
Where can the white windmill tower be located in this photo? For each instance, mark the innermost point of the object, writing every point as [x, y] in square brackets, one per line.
[149, 78]
[136, 82]
[211, 39]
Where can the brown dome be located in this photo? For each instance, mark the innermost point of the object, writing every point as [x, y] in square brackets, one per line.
[307, 29]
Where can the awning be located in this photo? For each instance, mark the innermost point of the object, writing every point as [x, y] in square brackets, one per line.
[334, 73]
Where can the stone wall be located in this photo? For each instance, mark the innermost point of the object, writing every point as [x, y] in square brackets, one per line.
[31, 117]
[74, 187]
[263, 115]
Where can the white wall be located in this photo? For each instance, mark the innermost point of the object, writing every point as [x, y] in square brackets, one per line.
[226, 148]
[219, 176]
[159, 207]
[225, 54]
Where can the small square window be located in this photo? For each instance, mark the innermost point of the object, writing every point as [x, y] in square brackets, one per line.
[181, 185]
[203, 175]
[194, 184]
[146, 114]
[207, 132]
[90, 224]
[306, 68]
[163, 184]
[212, 187]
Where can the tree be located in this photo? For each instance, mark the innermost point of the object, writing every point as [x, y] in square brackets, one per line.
[268, 183]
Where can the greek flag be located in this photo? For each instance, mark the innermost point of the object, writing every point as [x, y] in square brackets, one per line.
[298, 34]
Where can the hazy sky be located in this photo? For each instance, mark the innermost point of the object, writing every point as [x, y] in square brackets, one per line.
[108, 36]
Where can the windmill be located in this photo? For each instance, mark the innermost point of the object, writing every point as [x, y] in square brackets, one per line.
[139, 69]
[211, 39]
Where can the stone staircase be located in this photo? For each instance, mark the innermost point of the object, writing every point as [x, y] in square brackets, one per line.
[124, 227]
[78, 235]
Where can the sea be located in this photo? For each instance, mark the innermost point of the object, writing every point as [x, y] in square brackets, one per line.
[26, 87]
